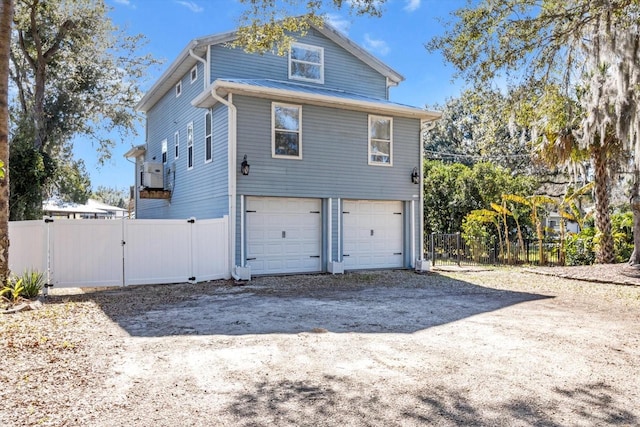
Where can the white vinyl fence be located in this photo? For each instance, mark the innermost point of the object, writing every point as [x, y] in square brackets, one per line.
[92, 253]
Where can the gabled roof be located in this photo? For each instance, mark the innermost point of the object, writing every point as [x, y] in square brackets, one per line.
[185, 62]
[300, 92]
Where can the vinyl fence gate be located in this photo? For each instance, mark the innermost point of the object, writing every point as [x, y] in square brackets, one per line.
[94, 253]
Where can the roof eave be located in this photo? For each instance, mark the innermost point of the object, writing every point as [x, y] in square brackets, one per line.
[222, 88]
[179, 67]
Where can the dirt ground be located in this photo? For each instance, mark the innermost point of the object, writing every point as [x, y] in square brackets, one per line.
[469, 347]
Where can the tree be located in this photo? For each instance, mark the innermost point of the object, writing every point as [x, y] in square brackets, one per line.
[473, 129]
[75, 74]
[595, 43]
[267, 25]
[6, 17]
[111, 196]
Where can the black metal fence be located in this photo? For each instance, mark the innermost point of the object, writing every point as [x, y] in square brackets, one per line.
[452, 249]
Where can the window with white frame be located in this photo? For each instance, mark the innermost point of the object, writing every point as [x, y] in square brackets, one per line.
[164, 151]
[306, 63]
[190, 146]
[208, 140]
[176, 144]
[178, 89]
[380, 141]
[194, 74]
[286, 141]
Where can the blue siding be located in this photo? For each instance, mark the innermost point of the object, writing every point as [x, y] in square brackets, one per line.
[200, 192]
[341, 69]
[334, 156]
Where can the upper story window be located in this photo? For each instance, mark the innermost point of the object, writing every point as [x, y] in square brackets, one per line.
[306, 63]
[190, 146]
[178, 89]
[286, 141]
[176, 143]
[208, 140]
[164, 151]
[380, 141]
[194, 74]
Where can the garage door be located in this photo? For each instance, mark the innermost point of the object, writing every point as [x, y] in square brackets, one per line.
[372, 234]
[283, 235]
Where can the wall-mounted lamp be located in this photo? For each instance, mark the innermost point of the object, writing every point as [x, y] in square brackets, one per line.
[415, 176]
[244, 166]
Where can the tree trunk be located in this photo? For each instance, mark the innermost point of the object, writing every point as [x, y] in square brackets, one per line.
[635, 208]
[6, 18]
[605, 253]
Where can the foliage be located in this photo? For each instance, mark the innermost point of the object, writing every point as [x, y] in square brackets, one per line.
[12, 292]
[583, 58]
[580, 248]
[473, 129]
[74, 74]
[32, 282]
[28, 285]
[267, 25]
[111, 196]
[451, 191]
[476, 230]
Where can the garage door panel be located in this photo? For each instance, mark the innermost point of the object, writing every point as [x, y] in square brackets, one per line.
[283, 235]
[381, 248]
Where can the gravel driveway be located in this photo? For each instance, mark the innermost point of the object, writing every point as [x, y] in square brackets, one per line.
[498, 347]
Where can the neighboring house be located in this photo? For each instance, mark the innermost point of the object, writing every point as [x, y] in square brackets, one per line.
[553, 222]
[93, 209]
[316, 169]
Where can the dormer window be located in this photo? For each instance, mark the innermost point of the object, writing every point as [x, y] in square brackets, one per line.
[306, 63]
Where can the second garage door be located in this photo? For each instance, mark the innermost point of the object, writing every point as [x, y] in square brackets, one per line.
[372, 234]
[283, 235]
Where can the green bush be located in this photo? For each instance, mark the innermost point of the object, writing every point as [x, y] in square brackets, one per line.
[580, 248]
[32, 282]
[622, 230]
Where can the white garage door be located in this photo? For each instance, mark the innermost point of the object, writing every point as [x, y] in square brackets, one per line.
[372, 234]
[283, 235]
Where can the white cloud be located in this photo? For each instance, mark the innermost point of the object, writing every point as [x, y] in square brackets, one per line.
[192, 6]
[338, 22]
[411, 5]
[124, 2]
[377, 46]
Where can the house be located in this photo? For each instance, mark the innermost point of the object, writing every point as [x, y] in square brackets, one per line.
[316, 169]
[552, 222]
[93, 209]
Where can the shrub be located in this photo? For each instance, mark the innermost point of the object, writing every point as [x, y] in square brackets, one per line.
[32, 282]
[12, 291]
[580, 248]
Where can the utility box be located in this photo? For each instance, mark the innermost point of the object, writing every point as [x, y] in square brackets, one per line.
[152, 176]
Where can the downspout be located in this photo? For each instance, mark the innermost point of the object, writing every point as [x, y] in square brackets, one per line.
[426, 126]
[233, 113]
[205, 64]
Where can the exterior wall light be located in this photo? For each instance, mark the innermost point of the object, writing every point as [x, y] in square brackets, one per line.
[415, 176]
[244, 166]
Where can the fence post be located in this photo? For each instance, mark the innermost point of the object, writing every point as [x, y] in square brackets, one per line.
[432, 249]
[458, 247]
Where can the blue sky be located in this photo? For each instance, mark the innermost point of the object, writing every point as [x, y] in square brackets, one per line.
[397, 38]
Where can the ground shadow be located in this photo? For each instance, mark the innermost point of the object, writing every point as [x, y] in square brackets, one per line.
[378, 302]
[338, 401]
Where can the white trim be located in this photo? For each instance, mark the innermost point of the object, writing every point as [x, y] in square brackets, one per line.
[412, 259]
[243, 261]
[339, 230]
[273, 131]
[210, 135]
[222, 88]
[178, 89]
[176, 145]
[369, 140]
[330, 231]
[191, 155]
[193, 71]
[164, 147]
[321, 64]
